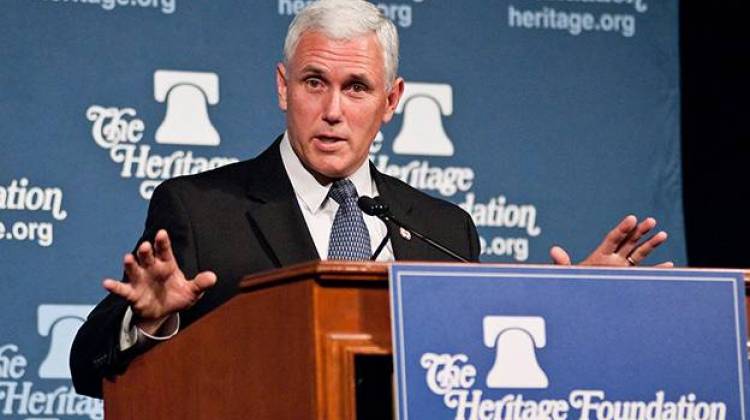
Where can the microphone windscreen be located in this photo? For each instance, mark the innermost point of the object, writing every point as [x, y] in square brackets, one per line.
[372, 206]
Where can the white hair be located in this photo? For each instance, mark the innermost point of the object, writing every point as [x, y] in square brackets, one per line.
[345, 20]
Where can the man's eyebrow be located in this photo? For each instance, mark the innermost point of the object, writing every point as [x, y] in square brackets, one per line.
[312, 69]
[362, 77]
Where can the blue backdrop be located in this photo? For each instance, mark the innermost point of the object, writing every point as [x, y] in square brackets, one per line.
[547, 120]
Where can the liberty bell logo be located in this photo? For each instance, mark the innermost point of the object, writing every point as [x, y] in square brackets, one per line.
[60, 323]
[422, 131]
[515, 339]
[187, 95]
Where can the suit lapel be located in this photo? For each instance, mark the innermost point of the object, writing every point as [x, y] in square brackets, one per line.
[401, 209]
[274, 213]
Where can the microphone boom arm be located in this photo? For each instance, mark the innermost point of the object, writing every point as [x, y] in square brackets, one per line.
[376, 207]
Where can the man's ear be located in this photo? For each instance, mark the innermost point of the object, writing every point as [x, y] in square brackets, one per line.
[281, 86]
[392, 99]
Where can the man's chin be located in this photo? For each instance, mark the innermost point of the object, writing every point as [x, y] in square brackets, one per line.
[326, 173]
[331, 176]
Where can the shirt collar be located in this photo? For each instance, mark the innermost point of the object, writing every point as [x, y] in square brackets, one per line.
[313, 194]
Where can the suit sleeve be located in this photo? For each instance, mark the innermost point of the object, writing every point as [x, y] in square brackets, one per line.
[95, 353]
[473, 240]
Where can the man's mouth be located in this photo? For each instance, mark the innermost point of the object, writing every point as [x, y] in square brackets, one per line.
[329, 138]
[328, 142]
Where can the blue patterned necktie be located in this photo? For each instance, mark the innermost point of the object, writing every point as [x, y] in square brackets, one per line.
[349, 237]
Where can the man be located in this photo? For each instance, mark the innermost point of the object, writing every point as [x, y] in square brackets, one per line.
[337, 85]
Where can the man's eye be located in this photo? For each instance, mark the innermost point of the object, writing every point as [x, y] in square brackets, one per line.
[359, 87]
[313, 83]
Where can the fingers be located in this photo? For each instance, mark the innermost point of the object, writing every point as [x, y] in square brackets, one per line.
[203, 281]
[163, 246]
[155, 284]
[627, 246]
[145, 254]
[614, 239]
[133, 271]
[623, 246]
[124, 290]
[154, 261]
[559, 256]
[643, 250]
[666, 264]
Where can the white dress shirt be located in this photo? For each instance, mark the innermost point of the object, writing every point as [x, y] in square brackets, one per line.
[319, 210]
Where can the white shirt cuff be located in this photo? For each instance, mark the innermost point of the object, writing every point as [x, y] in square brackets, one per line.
[130, 335]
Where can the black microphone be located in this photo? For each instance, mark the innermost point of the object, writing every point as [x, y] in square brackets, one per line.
[376, 207]
[373, 206]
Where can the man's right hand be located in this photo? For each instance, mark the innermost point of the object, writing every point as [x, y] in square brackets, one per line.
[156, 286]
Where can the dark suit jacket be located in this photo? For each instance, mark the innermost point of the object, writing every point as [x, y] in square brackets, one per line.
[241, 219]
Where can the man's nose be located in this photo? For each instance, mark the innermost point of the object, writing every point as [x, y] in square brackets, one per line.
[332, 112]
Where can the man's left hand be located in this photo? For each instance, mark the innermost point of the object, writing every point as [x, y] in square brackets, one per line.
[622, 247]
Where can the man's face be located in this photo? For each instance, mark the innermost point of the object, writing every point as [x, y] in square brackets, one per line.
[333, 93]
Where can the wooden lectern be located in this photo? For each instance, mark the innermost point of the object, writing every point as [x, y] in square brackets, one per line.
[288, 346]
[283, 348]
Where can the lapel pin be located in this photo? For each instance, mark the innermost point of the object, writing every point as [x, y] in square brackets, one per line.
[405, 234]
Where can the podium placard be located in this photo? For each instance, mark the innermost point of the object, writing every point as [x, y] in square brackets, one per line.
[510, 342]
